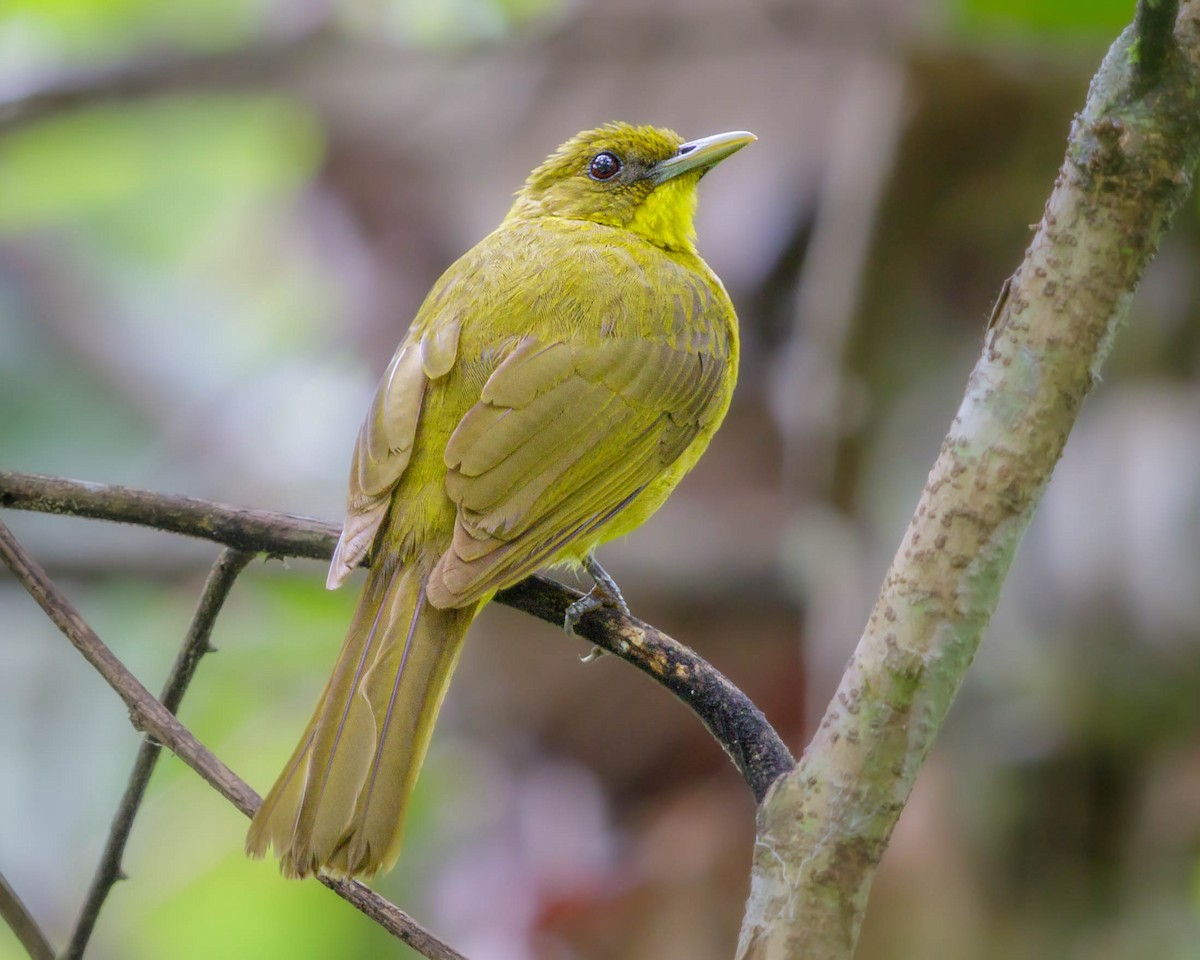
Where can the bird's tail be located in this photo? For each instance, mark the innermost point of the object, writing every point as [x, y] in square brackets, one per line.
[339, 804]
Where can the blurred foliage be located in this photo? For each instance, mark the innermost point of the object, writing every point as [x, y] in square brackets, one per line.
[447, 24]
[108, 428]
[1044, 22]
[77, 32]
[187, 201]
[150, 178]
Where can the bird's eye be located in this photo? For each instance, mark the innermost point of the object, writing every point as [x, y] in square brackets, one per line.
[604, 166]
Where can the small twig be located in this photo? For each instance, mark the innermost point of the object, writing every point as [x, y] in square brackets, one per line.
[391, 918]
[740, 727]
[150, 716]
[21, 922]
[195, 645]
[198, 640]
[1154, 26]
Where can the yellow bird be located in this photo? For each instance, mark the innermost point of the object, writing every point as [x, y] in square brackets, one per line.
[557, 383]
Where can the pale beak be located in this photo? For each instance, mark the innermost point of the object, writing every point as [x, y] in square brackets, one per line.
[700, 155]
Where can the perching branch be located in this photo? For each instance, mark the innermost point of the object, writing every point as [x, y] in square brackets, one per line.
[730, 716]
[737, 724]
[254, 531]
[151, 717]
[195, 645]
[1130, 161]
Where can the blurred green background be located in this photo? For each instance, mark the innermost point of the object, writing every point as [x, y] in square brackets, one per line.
[216, 219]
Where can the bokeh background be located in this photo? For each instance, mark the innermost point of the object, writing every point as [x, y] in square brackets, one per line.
[216, 219]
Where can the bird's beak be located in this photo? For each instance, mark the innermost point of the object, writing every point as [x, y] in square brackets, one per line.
[700, 155]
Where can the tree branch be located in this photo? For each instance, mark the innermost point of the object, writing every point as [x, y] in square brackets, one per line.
[823, 828]
[254, 531]
[22, 923]
[146, 713]
[150, 716]
[728, 714]
[195, 645]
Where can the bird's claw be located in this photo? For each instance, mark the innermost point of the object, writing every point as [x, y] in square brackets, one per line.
[604, 593]
[605, 588]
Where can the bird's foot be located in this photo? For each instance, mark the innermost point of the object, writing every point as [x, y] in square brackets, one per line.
[604, 593]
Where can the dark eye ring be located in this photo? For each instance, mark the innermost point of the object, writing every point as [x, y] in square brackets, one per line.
[604, 166]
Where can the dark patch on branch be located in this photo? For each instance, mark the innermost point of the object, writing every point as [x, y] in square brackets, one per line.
[1154, 43]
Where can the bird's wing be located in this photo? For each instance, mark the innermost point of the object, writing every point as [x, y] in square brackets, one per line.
[564, 436]
[385, 441]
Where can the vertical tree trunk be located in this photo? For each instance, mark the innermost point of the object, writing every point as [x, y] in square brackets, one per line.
[822, 829]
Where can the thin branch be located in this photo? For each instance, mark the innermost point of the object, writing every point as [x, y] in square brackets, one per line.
[199, 636]
[21, 922]
[146, 713]
[150, 716]
[823, 828]
[740, 727]
[255, 531]
[195, 644]
[391, 918]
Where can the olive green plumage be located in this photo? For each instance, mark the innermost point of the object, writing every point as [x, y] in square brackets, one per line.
[558, 381]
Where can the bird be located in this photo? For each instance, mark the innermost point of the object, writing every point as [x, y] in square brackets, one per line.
[556, 384]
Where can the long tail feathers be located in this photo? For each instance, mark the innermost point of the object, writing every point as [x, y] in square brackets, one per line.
[339, 804]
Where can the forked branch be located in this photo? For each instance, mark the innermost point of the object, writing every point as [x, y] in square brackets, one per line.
[740, 727]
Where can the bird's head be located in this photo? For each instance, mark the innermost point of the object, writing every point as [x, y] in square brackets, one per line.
[642, 179]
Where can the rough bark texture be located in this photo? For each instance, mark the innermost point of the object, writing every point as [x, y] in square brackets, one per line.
[823, 828]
